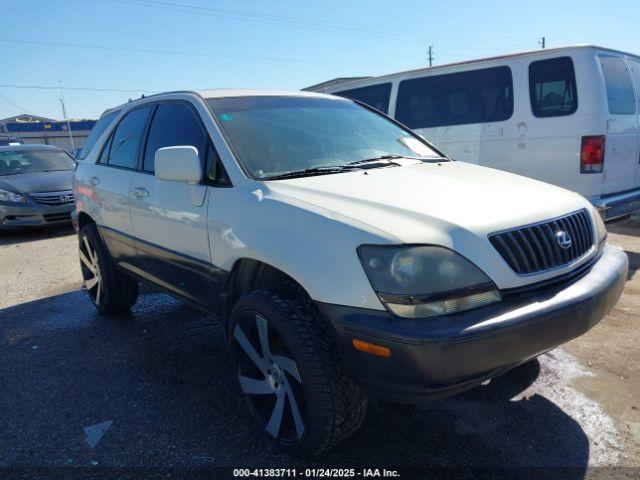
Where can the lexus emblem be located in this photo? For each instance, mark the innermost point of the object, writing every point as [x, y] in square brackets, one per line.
[564, 239]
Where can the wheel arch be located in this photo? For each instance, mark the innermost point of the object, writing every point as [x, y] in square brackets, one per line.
[249, 274]
[84, 219]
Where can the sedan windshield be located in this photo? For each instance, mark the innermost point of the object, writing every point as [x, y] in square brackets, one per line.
[30, 161]
[275, 136]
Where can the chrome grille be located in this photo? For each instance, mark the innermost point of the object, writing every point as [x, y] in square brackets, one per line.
[53, 198]
[544, 246]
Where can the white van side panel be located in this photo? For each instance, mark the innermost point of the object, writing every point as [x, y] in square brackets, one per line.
[621, 145]
[547, 149]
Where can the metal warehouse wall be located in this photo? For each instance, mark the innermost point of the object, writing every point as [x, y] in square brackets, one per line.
[50, 133]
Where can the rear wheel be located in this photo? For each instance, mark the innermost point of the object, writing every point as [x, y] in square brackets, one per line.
[291, 376]
[110, 290]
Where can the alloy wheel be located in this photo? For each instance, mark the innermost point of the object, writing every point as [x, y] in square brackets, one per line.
[91, 270]
[269, 377]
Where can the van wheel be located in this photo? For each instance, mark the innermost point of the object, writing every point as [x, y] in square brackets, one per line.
[111, 291]
[290, 374]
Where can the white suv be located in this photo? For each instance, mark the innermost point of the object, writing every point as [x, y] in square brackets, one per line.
[346, 255]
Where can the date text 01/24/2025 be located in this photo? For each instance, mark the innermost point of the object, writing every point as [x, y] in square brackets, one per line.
[316, 473]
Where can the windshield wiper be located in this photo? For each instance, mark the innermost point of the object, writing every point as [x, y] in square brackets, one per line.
[308, 172]
[389, 159]
[377, 159]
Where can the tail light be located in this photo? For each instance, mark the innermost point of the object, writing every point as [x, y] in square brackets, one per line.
[592, 154]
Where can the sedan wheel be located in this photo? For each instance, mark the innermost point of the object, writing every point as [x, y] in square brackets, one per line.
[269, 378]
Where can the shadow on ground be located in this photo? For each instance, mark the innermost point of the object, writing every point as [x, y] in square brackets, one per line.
[10, 237]
[163, 377]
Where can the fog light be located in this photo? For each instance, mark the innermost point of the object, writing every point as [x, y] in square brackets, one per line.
[445, 306]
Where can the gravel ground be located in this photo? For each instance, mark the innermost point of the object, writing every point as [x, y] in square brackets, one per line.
[156, 388]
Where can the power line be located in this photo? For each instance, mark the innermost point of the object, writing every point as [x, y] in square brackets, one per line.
[180, 53]
[297, 22]
[88, 89]
[22, 109]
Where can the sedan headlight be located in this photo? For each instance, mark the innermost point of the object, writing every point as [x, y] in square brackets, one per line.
[425, 281]
[12, 197]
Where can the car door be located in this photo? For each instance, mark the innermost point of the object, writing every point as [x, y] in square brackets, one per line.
[170, 217]
[634, 64]
[110, 182]
[621, 144]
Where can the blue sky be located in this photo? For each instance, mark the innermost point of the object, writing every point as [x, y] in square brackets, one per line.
[277, 44]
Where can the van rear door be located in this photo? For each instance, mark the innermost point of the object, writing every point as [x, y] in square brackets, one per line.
[634, 64]
[621, 144]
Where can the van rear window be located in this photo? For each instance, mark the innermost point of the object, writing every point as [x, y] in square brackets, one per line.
[552, 87]
[477, 96]
[376, 96]
[618, 85]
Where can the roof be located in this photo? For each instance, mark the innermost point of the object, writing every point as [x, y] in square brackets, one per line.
[332, 83]
[27, 118]
[28, 146]
[219, 93]
[497, 57]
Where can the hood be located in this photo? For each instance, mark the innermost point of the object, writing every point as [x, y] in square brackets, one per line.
[37, 182]
[430, 202]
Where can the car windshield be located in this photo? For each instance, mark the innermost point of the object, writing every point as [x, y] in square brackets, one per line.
[30, 161]
[276, 135]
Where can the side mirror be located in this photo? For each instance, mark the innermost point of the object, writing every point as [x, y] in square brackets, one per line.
[181, 164]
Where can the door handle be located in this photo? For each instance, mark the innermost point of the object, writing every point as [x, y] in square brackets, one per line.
[140, 192]
[94, 181]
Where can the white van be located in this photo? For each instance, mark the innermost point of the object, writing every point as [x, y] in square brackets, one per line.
[566, 116]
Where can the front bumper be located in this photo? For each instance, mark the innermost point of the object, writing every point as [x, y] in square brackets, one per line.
[31, 214]
[440, 356]
[618, 205]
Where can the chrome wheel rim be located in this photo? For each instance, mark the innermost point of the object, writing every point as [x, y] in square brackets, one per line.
[90, 270]
[269, 378]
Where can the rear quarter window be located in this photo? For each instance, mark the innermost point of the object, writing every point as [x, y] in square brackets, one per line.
[552, 87]
[97, 130]
[476, 96]
[376, 96]
[618, 85]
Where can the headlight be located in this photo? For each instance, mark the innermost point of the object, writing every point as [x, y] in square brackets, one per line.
[12, 197]
[425, 281]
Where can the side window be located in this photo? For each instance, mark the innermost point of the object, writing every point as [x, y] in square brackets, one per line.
[125, 141]
[635, 73]
[174, 124]
[552, 87]
[618, 85]
[214, 168]
[97, 130]
[477, 96]
[376, 96]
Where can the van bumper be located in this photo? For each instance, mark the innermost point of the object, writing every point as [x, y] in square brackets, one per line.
[442, 356]
[618, 205]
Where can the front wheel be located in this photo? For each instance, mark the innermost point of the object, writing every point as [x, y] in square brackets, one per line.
[110, 290]
[290, 373]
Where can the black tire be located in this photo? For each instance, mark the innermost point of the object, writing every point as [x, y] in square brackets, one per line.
[114, 293]
[333, 407]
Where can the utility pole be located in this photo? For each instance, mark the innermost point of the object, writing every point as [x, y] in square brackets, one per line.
[430, 55]
[64, 115]
[542, 41]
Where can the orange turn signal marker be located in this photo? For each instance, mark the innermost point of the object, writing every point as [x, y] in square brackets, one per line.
[372, 348]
